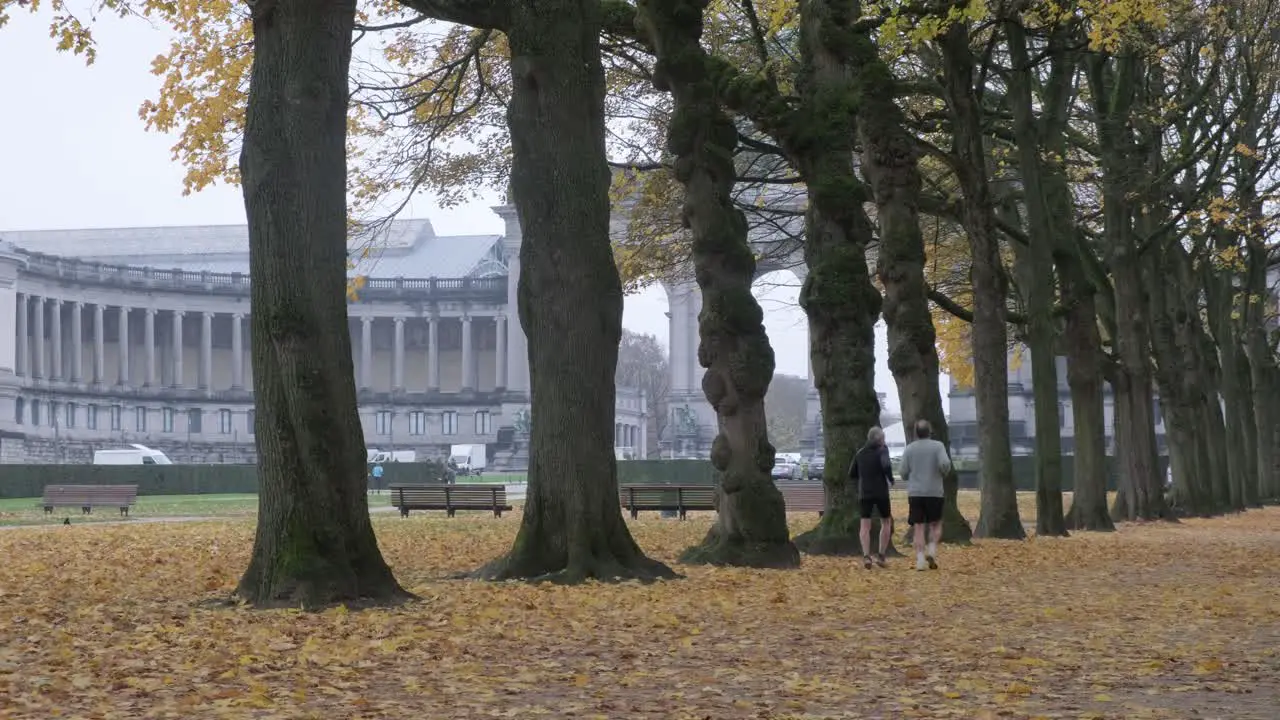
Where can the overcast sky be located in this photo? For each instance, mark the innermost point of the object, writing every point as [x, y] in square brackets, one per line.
[76, 155]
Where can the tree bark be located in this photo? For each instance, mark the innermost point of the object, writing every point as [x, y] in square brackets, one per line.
[1038, 258]
[570, 302]
[998, 517]
[890, 162]
[751, 525]
[314, 543]
[841, 303]
[1088, 417]
[1113, 91]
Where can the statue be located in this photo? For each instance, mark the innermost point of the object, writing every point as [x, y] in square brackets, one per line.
[522, 421]
[686, 421]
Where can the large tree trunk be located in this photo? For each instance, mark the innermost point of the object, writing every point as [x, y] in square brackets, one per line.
[570, 301]
[751, 526]
[890, 162]
[1038, 261]
[838, 296]
[1266, 411]
[314, 543]
[998, 517]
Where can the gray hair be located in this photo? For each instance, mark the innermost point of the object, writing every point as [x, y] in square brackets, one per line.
[875, 434]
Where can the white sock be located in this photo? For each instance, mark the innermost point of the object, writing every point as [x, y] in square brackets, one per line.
[933, 550]
[920, 558]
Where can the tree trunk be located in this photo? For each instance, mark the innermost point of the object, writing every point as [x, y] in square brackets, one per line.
[1245, 417]
[1088, 417]
[314, 543]
[841, 303]
[751, 526]
[998, 517]
[890, 162]
[570, 302]
[1266, 414]
[1038, 258]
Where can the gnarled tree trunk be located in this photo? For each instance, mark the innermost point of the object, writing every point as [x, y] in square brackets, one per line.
[890, 162]
[570, 301]
[838, 297]
[751, 526]
[314, 543]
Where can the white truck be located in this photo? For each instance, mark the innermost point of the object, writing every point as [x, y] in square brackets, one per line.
[468, 459]
[133, 455]
[382, 456]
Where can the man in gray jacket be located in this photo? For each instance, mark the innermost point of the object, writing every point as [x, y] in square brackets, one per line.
[924, 463]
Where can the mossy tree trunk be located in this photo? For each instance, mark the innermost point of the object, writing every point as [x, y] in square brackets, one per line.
[1039, 289]
[998, 517]
[314, 543]
[751, 524]
[570, 301]
[890, 162]
[838, 297]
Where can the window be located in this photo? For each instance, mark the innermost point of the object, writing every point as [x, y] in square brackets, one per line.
[449, 422]
[382, 422]
[140, 419]
[35, 412]
[195, 420]
[484, 423]
[71, 415]
[252, 419]
[224, 421]
[117, 420]
[91, 417]
[417, 423]
[53, 414]
[166, 420]
[20, 411]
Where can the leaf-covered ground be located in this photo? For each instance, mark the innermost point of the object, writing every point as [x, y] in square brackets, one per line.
[1160, 621]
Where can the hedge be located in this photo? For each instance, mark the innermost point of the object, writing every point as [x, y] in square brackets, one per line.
[25, 481]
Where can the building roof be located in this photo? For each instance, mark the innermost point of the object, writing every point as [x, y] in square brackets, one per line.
[404, 248]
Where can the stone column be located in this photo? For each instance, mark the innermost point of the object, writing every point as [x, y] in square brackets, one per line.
[99, 345]
[517, 343]
[206, 351]
[397, 370]
[22, 365]
[77, 342]
[433, 352]
[366, 352]
[55, 337]
[149, 340]
[237, 351]
[177, 349]
[468, 381]
[38, 336]
[124, 346]
[500, 351]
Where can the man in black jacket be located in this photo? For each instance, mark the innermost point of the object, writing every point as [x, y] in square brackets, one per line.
[873, 473]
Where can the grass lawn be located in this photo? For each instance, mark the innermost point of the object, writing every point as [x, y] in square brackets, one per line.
[27, 511]
[1153, 621]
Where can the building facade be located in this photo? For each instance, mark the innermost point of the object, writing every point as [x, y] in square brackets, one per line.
[962, 421]
[142, 336]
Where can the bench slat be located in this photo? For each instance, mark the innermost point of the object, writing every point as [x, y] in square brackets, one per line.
[450, 498]
[680, 498]
[88, 497]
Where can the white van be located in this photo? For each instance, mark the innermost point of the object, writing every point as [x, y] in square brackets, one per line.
[133, 455]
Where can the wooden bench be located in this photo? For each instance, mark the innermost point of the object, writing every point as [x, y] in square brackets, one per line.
[87, 497]
[450, 498]
[678, 498]
[803, 496]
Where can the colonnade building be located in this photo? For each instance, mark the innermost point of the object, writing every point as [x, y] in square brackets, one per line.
[141, 335]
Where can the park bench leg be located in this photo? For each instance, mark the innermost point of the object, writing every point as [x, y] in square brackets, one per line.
[48, 509]
[404, 512]
[449, 512]
[86, 510]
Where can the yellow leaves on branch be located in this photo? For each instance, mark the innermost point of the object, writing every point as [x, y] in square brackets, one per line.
[111, 621]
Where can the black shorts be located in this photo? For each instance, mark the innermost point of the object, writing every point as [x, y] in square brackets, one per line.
[924, 510]
[871, 504]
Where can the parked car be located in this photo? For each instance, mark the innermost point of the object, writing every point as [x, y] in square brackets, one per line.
[816, 466]
[783, 470]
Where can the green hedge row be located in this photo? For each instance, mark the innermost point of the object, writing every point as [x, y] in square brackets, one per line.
[25, 481]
